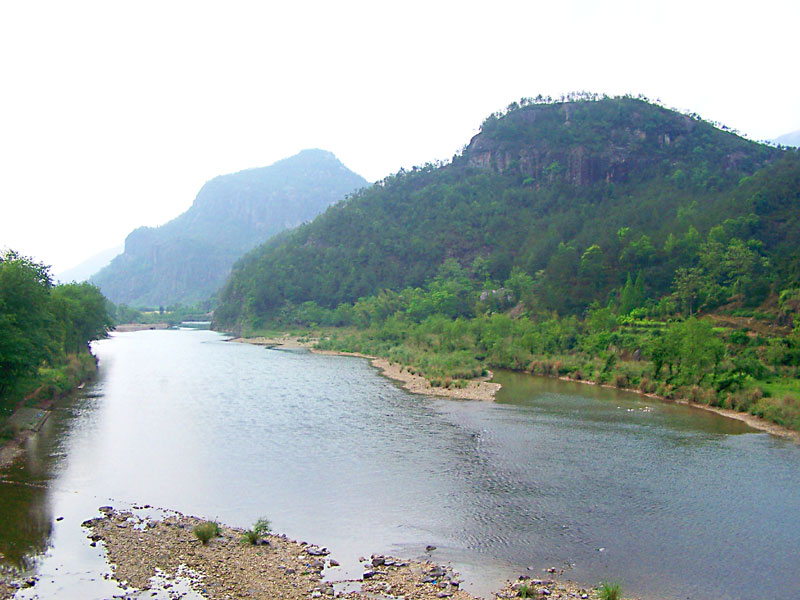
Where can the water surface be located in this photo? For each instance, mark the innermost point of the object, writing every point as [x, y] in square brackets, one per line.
[674, 502]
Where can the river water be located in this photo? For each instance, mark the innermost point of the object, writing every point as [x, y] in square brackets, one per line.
[671, 501]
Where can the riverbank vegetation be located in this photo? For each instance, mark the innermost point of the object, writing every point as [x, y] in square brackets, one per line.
[744, 359]
[171, 315]
[44, 334]
[601, 239]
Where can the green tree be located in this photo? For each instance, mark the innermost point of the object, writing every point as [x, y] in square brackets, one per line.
[690, 287]
[700, 350]
[25, 318]
[82, 314]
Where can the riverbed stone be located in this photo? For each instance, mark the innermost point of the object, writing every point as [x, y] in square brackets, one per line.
[226, 568]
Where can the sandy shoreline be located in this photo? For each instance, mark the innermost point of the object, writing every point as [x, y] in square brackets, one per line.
[476, 389]
[753, 421]
[128, 327]
[484, 390]
[156, 551]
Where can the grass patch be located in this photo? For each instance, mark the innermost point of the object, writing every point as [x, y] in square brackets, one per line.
[205, 531]
[527, 591]
[609, 591]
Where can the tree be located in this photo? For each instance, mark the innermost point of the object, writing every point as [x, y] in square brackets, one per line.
[690, 286]
[700, 350]
[520, 284]
[25, 318]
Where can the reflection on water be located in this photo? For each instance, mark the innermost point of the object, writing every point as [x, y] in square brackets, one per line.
[26, 524]
[603, 483]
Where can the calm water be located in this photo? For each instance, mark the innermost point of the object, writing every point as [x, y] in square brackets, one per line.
[673, 502]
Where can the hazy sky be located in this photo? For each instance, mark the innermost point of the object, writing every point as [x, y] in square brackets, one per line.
[112, 114]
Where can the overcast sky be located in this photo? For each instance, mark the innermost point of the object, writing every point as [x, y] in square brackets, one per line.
[112, 115]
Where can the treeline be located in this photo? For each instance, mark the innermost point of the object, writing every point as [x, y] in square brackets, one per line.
[174, 314]
[44, 329]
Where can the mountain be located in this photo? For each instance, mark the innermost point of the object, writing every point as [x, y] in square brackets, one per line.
[789, 139]
[577, 195]
[90, 266]
[187, 259]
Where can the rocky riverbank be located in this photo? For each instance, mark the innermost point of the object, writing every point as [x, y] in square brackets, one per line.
[158, 552]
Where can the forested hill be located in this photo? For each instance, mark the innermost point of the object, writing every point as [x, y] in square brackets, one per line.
[188, 259]
[579, 196]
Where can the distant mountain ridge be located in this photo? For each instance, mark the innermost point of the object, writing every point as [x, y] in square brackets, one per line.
[187, 259]
[789, 139]
[90, 266]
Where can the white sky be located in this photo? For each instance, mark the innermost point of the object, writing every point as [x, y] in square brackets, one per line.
[112, 114]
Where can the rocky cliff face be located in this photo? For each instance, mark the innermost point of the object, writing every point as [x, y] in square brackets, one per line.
[606, 140]
[187, 259]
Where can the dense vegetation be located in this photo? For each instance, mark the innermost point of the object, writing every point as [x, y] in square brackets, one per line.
[607, 239]
[577, 195]
[187, 260]
[44, 331]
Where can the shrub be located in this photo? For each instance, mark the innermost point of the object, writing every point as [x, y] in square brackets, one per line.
[665, 390]
[621, 380]
[609, 591]
[259, 530]
[205, 531]
[740, 401]
[646, 385]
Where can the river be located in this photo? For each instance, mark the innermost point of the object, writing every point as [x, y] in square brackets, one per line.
[671, 501]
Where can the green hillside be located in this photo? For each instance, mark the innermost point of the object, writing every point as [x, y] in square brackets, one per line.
[577, 195]
[187, 260]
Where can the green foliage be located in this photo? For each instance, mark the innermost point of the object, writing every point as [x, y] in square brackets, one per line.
[25, 318]
[42, 325]
[205, 531]
[260, 528]
[527, 591]
[82, 311]
[609, 591]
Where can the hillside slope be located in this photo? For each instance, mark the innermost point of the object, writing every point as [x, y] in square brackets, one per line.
[577, 195]
[187, 259]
